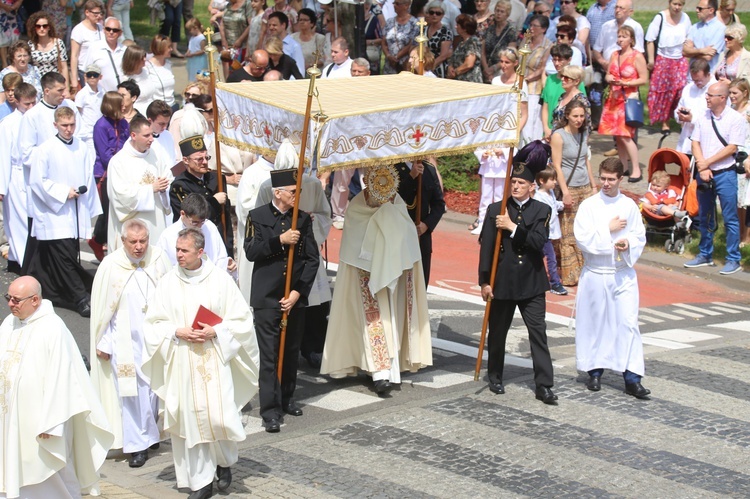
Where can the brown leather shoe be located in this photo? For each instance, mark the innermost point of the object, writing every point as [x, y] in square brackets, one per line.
[611, 152]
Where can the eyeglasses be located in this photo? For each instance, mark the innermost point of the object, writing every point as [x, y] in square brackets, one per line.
[189, 95]
[14, 300]
[96, 12]
[113, 30]
[541, 12]
[92, 75]
[434, 12]
[701, 9]
[568, 78]
[561, 36]
[728, 37]
[207, 110]
[41, 26]
[201, 159]
[293, 192]
[608, 180]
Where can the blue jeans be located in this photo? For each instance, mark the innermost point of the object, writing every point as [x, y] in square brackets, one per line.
[629, 376]
[549, 253]
[172, 21]
[726, 188]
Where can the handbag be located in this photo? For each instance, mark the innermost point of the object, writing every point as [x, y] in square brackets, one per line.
[739, 156]
[373, 51]
[634, 112]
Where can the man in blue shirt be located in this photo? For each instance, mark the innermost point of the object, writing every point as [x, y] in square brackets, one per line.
[705, 39]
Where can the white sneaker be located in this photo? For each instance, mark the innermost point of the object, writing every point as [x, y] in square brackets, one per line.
[338, 224]
[477, 231]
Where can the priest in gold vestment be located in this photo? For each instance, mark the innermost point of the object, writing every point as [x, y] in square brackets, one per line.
[379, 321]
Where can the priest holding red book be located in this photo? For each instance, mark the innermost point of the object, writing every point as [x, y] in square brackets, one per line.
[202, 360]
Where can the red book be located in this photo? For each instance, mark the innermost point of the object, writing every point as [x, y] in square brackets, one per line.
[205, 316]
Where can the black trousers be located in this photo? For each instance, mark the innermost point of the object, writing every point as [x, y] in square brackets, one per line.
[100, 228]
[55, 265]
[316, 324]
[274, 395]
[501, 317]
[425, 249]
[31, 248]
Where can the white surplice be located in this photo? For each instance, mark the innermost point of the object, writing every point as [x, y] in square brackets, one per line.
[203, 386]
[131, 195]
[13, 187]
[313, 201]
[45, 388]
[120, 295]
[379, 321]
[215, 249]
[247, 197]
[58, 167]
[607, 334]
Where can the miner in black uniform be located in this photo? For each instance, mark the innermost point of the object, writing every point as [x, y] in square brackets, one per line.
[199, 180]
[433, 204]
[267, 243]
[521, 276]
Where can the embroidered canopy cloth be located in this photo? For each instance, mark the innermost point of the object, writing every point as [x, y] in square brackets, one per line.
[369, 120]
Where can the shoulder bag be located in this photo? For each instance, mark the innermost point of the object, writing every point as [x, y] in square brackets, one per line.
[739, 156]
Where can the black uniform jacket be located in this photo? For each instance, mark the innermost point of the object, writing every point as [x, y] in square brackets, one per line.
[520, 273]
[185, 184]
[433, 203]
[263, 246]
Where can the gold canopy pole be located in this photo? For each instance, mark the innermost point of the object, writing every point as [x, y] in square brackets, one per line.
[212, 69]
[314, 72]
[421, 40]
[518, 86]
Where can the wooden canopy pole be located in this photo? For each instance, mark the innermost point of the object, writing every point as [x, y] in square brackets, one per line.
[212, 70]
[421, 39]
[313, 72]
[521, 72]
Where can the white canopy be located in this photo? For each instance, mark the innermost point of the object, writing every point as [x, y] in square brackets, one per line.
[369, 120]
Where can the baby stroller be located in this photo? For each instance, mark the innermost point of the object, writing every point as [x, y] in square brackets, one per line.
[678, 167]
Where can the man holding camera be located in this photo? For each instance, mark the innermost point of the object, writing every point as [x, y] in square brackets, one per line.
[715, 138]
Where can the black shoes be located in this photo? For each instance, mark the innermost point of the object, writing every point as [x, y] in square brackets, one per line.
[272, 426]
[292, 409]
[595, 383]
[203, 493]
[155, 446]
[637, 390]
[496, 387]
[383, 386]
[84, 308]
[545, 395]
[224, 476]
[138, 459]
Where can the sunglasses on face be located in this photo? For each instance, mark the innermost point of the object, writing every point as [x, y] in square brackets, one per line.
[41, 26]
[92, 75]
[434, 13]
[113, 30]
[728, 37]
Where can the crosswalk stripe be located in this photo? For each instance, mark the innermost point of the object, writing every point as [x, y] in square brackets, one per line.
[726, 310]
[658, 342]
[663, 315]
[704, 310]
[649, 319]
[688, 313]
[732, 305]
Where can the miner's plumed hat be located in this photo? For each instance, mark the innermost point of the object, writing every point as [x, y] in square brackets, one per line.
[286, 156]
[192, 144]
[530, 160]
[283, 178]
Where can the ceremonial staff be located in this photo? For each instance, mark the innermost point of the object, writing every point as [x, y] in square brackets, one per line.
[518, 87]
[421, 40]
[212, 69]
[313, 72]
